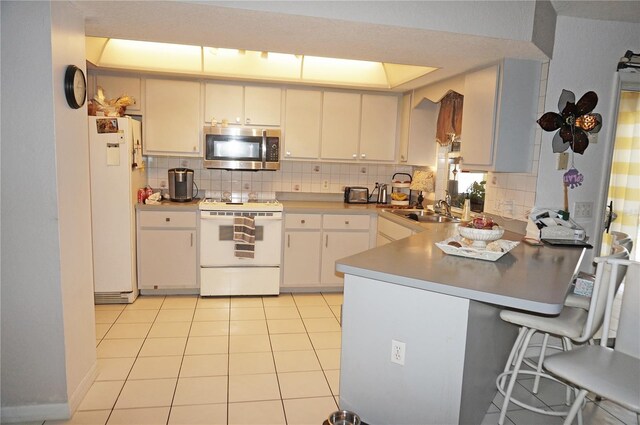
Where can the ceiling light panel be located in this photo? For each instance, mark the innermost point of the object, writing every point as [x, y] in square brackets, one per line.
[151, 56]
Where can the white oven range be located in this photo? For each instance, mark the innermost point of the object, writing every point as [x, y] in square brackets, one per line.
[224, 274]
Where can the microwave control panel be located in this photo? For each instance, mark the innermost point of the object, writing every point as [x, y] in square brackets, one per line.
[273, 153]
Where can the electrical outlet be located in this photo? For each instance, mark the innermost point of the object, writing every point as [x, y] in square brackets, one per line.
[508, 206]
[325, 185]
[397, 352]
[583, 209]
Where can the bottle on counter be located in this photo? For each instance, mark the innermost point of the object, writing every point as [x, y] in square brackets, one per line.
[466, 210]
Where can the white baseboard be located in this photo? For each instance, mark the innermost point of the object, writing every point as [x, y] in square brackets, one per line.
[52, 411]
[78, 395]
[34, 412]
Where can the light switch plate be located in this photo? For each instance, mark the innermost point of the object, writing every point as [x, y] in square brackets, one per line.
[562, 161]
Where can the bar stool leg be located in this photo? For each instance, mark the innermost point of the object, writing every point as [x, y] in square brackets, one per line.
[512, 354]
[514, 374]
[543, 350]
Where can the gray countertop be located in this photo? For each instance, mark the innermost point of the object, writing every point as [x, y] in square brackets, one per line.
[530, 278]
[170, 206]
[329, 207]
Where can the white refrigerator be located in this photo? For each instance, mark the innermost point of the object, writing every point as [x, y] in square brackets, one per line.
[117, 172]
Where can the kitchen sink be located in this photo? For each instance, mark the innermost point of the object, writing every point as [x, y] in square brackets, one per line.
[423, 216]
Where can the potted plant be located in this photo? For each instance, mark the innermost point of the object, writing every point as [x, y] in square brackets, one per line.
[475, 193]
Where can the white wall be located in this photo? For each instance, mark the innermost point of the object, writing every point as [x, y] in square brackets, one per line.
[74, 209]
[586, 53]
[48, 341]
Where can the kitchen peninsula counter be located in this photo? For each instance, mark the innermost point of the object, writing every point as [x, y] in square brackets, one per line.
[445, 309]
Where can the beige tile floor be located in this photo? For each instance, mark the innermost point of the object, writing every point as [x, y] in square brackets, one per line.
[258, 360]
[191, 360]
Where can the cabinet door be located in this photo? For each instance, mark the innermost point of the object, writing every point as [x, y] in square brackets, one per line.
[302, 123]
[478, 116]
[301, 258]
[224, 102]
[167, 259]
[378, 127]
[336, 245]
[172, 124]
[340, 125]
[115, 87]
[262, 105]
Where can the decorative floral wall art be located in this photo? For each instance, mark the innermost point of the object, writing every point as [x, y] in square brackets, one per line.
[574, 122]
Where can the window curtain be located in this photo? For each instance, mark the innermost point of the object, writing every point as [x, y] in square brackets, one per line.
[624, 186]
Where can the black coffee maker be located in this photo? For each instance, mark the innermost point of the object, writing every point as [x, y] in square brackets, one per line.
[181, 184]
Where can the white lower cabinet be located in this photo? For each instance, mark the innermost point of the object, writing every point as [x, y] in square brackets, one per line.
[167, 250]
[339, 244]
[313, 243]
[301, 258]
[388, 231]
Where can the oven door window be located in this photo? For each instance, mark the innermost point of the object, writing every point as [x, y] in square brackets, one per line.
[246, 148]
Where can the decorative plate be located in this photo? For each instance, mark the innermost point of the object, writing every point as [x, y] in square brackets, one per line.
[493, 251]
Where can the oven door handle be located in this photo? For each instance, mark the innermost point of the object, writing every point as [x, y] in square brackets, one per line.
[225, 219]
[264, 149]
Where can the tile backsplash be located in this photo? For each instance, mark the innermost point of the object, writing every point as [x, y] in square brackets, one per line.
[293, 176]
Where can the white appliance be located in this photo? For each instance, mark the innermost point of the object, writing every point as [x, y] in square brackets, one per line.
[117, 171]
[221, 272]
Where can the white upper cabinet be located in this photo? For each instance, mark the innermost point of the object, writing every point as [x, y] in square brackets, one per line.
[262, 105]
[378, 127]
[340, 125]
[117, 86]
[243, 105]
[224, 102]
[418, 132]
[499, 116]
[172, 122]
[303, 109]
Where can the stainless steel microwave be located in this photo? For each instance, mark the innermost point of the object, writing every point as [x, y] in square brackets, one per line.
[242, 148]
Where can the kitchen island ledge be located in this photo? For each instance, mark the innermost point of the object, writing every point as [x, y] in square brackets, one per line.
[446, 310]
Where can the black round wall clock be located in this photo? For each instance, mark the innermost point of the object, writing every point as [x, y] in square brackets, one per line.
[75, 86]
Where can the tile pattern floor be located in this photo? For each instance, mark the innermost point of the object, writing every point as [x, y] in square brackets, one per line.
[257, 360]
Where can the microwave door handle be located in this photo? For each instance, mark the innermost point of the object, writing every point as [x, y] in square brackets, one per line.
[264, 149]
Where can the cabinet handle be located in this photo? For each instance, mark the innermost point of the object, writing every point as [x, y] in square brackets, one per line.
[346, 222]
[237, 120]
[288, 153]
[402, 157]
[191, 243]
[354, 156]
[247, 121]
[167, 219]
[363, 155]
[288, 241]
[303, 221]
[326, 241]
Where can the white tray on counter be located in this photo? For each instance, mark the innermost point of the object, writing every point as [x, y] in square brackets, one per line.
[492, 252]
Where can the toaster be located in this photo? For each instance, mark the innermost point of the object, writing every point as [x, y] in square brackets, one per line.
[356, 195]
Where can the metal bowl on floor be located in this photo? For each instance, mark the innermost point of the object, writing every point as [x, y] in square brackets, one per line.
[343, 417]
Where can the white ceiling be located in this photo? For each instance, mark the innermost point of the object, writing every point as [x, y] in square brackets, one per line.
[464, 39]
[608, 10]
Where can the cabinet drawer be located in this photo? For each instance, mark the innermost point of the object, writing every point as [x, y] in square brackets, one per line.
[167, 219]
[346, 222]
[302, 221]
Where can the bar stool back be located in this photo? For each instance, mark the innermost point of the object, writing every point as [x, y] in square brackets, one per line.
[611, 373]
[573, 324]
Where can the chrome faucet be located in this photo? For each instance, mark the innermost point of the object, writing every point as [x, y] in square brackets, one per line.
[443, 207]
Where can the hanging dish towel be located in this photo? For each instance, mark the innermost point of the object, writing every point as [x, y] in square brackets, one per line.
[244, 234]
